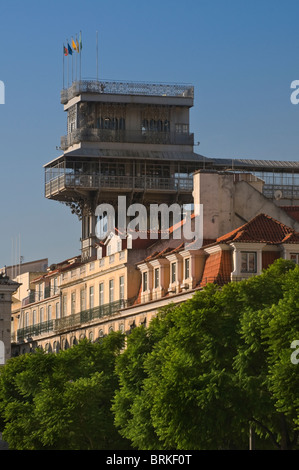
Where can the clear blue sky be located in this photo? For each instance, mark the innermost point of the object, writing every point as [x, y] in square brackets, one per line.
[240, 55]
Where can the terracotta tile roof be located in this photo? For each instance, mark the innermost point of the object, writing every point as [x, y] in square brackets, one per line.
[60, 267]
[261, 229]
[218, 268]
[165, 252]
[168, 251]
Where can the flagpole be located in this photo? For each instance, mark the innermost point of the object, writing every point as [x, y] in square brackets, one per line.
[67, 65]
[80, 45]
[97, 56]
[76, 55]
[63, 67]
[72, 65]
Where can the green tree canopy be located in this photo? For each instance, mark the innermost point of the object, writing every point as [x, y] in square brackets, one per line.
[203, 372]
[62, 401]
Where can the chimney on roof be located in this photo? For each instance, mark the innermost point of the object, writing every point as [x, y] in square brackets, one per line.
[215, 191]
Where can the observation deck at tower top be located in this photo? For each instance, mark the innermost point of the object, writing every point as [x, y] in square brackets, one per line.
[112, 87]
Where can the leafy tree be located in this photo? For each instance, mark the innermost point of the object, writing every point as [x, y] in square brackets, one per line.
[62, 401]
[132, 415]
[207, 370]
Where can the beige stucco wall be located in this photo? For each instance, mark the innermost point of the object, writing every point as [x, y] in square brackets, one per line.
[228, 204]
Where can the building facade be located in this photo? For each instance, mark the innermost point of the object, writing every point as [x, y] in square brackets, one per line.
[134, 140]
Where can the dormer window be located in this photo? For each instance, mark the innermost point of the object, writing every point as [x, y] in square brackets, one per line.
[248, 262]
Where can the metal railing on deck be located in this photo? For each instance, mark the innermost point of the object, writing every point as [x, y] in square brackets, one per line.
[143, 137]
[97, 181]
[126, 88]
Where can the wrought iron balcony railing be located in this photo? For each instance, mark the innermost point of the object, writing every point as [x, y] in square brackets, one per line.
[139, 137]
[73, 320]
[96, 182]
[35, 296]
[34, 330]
[86, 316]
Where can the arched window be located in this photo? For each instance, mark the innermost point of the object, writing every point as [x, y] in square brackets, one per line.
[90, 336]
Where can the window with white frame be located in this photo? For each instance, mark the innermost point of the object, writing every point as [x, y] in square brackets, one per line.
[41, 315]
[144, 281]
[64, 305]
[55, 285]
[91, 297]
[73, 302]
[40, 291]
[49, 312]
[248, 262]
[173, 272]
[156, 277]
[101, 293]
[82, 300]
[34, 317]
[57, 310]
[121, 288]
[187, 268]
[111, 291]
